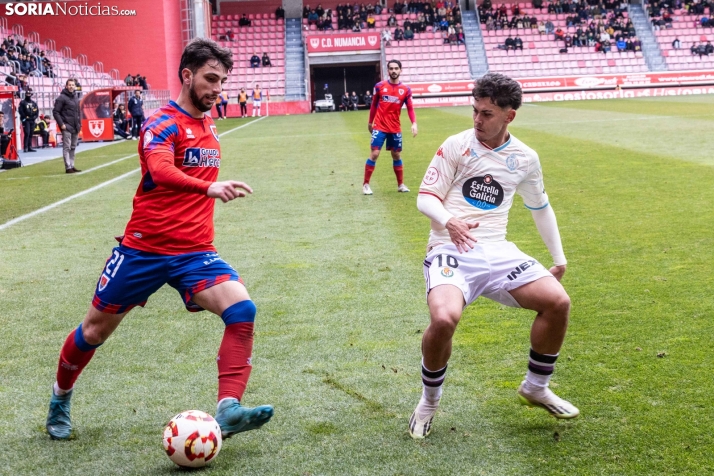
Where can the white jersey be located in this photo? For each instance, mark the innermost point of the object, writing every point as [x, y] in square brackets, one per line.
[476, 183]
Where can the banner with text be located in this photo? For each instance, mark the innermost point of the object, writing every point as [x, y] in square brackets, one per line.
[340, 42]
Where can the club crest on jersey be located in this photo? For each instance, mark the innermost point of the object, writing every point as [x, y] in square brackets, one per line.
[483, 193]
[401, 91]
[214, 131]
[447, 272]
[103, 281]
[512, 162]
[200, 157]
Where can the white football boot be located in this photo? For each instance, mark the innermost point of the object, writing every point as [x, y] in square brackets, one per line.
[544, 398]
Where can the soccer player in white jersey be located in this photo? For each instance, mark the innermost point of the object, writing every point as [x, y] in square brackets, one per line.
[467, 192]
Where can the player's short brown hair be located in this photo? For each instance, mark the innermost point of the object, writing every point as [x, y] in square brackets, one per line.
[499, 88]
[202, 50]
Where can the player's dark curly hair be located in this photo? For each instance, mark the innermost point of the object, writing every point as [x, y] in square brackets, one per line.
[202, 50]
[397, 62]
[502, 90]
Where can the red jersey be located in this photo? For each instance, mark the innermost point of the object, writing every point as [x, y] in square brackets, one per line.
[180, 157]
[387, 106]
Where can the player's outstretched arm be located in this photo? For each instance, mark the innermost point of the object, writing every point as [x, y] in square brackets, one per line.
[228, 190]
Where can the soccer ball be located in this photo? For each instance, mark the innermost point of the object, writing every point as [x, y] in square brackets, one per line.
[192, 439]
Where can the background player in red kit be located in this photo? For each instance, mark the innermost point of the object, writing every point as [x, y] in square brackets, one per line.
[389, 96]
[169, 240]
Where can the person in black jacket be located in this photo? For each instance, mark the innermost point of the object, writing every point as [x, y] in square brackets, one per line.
[136, 109]
[66, 113]
[120, 122]
[29, 112]
[4, 137]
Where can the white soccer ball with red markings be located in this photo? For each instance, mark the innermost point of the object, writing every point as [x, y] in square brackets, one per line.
[192, 439]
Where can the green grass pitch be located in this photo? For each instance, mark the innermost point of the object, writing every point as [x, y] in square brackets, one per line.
[337, 278]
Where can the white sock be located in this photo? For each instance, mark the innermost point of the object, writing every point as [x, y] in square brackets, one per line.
[58, 391]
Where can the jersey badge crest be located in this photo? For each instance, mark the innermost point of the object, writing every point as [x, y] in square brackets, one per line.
[214, 131]
[103, 281]
[148, 137]
[384, 90]
[401, 91]
[512, 162]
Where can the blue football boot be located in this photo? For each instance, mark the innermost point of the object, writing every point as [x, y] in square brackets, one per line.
[234, 418]
[59, 425]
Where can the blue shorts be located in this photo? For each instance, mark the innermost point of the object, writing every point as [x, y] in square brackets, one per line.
[131, 276]
[394, 140]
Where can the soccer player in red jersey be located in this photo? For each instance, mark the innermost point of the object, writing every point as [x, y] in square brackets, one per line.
[389, 96]
[169, 240]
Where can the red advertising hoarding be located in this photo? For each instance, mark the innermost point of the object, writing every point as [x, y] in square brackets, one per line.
[341, 42]
[585, 82]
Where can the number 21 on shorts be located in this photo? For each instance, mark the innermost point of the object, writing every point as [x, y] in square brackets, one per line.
[110, 270]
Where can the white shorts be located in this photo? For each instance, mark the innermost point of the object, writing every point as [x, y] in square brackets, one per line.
[256, 104]
[490, 270]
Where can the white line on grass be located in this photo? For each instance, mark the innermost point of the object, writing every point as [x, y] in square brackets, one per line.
[97, 187]
[65, 200]
[106, 165]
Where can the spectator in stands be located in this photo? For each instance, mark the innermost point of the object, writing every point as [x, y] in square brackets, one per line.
[29, 112]
[319, 10]
[255, 60]
[136, 109]
[398, 34]
[676, 44]
[397, 8]
[708, 48]
[408, 34]
[568, 40]
[142, 82]
[305, 11]
[120, 122]
[538, 4]
[66, 113]
[518, 43]
[392, 21]
[460, 39]
[356, 27]
[345, 102]
[367, 99]
[420, 25]
[312, 17]
[244, 21]
[637, 44]
[549, 27]
[621, 45]
[280, 13]
[129, 80]
[606, 46]
[510, 43]
[386, 37]
[559, 34]
[266, 60]
[371, 21]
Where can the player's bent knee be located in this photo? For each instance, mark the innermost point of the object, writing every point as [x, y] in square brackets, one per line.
[444, 321]
[243, 311]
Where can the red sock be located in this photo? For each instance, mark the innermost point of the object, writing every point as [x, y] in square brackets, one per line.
[399, 172]
[234, 360]
[368, 169]
[72, 361]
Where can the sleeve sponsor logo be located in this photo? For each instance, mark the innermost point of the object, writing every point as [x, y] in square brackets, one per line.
[200, 157]
[431, 176]
[440, 152]
[483, 193]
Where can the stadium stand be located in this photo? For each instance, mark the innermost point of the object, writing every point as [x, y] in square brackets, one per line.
[264, 35]
[426, 57]
[542, 55]
[691, 32]
[64, 66]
